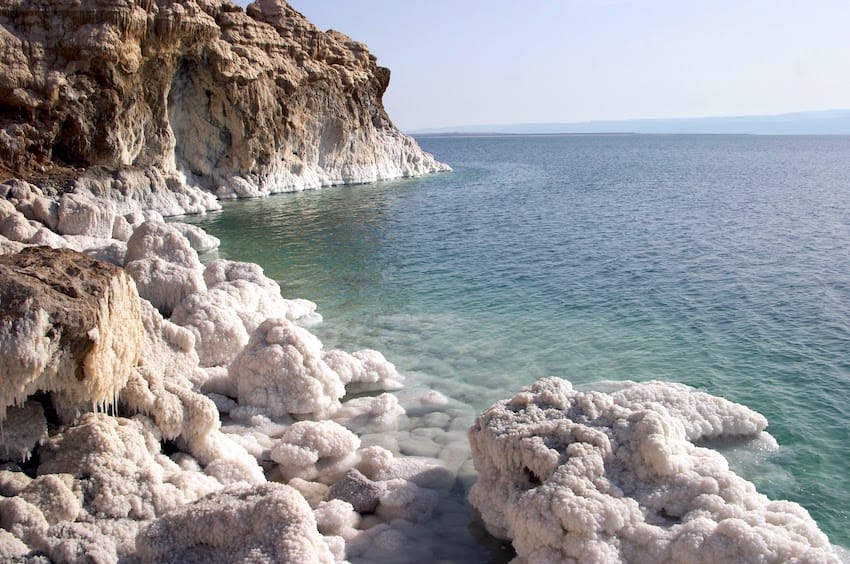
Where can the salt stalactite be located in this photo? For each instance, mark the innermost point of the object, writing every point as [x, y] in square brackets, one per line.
[71, 326]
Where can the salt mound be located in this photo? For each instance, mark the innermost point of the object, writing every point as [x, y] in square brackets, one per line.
[593, 477]
[267, 523]
[281, 370]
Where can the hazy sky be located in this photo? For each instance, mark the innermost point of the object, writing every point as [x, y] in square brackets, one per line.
[466, 62]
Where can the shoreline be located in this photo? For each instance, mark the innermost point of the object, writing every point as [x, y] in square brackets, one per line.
[279, 417]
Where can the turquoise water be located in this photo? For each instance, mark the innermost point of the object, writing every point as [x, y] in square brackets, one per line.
[717, 261]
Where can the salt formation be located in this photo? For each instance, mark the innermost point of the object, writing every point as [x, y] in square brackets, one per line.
[164, 265]
[268, 523]
[70, 326]
[593, 477]
[316, 450]
[281, 370]
[204, 408]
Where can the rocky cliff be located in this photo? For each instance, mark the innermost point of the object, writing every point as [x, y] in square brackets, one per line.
[148, 100]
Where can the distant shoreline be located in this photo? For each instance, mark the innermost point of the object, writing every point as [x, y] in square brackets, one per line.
[825, 122]
[616, 134]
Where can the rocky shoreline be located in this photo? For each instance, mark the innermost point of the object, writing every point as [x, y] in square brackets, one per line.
[156, 409]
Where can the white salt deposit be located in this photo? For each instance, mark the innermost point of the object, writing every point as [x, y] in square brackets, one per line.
[281, 369]
[595, 477]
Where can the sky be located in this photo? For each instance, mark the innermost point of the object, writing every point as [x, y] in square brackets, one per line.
[476, 62]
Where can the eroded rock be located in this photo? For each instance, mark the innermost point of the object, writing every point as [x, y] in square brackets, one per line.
[69, 325]
[143, 102]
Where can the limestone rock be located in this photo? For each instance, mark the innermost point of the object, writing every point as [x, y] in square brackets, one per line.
[143, 101]
[69, 325]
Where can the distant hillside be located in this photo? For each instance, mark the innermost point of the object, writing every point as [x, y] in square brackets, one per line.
[827, 122]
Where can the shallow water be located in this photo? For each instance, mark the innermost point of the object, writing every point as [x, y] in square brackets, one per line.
[717, 261]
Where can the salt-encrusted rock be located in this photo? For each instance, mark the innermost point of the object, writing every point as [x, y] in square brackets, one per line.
[133, 98]
[78, 214]
[13, 482]
[164, 265]
[358, 490]
[403, 499]
[313, 492]
[213, 318]
[23, 520]
[15, 227]
[337, 518]
[11, 546]
[164, 386]
[379, 464]
[595, 477]
[200, 240]
[238, 299]
[164, 283]
[9, 247]
[47, 238]
[316, 450]
[281, 370]
[268, 523]
[258, 296]
[373, 414]
[80, 542]
[69, 325]
[53, 495]
[364, 370]
[117, 464]
[154, 239]
[168, 349]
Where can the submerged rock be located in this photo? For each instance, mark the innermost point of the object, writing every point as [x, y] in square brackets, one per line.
[69, 325]
[593, 477]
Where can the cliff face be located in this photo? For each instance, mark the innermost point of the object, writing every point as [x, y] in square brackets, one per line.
[141, 96]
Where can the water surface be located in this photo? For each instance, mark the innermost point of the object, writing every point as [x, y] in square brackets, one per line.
[717, 261]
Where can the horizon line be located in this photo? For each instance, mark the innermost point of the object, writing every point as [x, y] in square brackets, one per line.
[496, 127]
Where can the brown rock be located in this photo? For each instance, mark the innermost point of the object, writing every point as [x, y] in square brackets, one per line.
[244, 102]
[69, 325]
[358, 490]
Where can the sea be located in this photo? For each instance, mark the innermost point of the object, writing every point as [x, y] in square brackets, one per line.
[718, 261]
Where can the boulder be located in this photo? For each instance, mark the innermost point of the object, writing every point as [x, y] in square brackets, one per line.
[69, 325]
[267, 523]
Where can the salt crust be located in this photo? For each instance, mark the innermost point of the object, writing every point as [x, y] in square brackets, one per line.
[571, 476]
[105, 478]
[266, 523]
